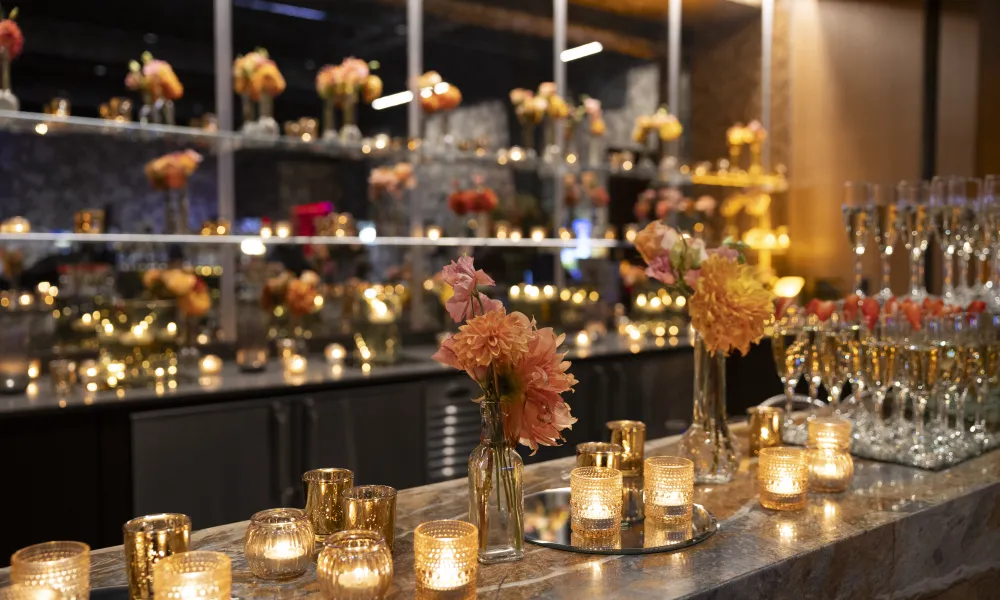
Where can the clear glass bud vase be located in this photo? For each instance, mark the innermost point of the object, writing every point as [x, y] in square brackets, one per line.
[8, 101]
[707, 442]
[496, 498]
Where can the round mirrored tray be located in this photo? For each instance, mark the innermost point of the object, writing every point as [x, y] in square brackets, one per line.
[547, 523]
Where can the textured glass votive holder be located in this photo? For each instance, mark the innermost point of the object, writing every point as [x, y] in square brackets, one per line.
[199, 574]
[668, 488]
[631, 436]
[148, 540]
[783, 475]
[599, 454]
[372, 508]
[605, 540]
[354, 565]
[62, 371]
[20, 591]
[595, 499]
[279, 543]
[656, 532]
[323, 490]
[445, 554]
[766, 423]
[831, 468]
[252, 359]
[64, 566]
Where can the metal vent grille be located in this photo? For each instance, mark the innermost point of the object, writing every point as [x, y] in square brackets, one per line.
[452, 428]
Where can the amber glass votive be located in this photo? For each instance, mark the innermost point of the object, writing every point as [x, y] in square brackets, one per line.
[668, 488]
[445, 554]
[831, 467]
[783, 475]
[372, 508]
[631, 436]
[279, 543]
[199, 574]
[354, 565]
[63, 374]
[64, 566]
[147, 540]
[765, 427]
[323, 490]
[599, 454]
[20, 591]
[595, 499]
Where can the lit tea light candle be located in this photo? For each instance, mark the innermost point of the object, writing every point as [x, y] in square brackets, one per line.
[503, 231]
[595, 499]
[668, 488]
[582, 339]
[515, 234]
[433, 232]
[631, 230]
[531, 293]
[282, 229]
[379, 312]
[565, 234]
[295, 364]
[210, 364]
[782, 474]
[278, 543]
[537, 234]
[265, 231]
[335, 354]
[831, 467]
[354, 564]
[445, 554]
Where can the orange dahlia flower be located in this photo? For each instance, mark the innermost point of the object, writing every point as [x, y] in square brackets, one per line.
[491, 338]
[730, 306]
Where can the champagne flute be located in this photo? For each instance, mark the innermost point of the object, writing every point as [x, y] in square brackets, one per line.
[945, 224]
[878, 351]
[915, 229]
[885, 225]
[988, 216]
[832, 363]
[856, 209]
[813, 339]
[789, 358]
[965, 198]
[982, 370]
[919, 374]
[949, 334]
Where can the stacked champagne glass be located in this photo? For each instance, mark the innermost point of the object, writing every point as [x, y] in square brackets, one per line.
[922, 371]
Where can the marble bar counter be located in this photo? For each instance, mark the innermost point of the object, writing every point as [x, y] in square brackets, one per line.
[896, 533]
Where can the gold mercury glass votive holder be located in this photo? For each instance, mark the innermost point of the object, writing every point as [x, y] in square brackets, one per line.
[323, 490]
[595, 500]
[372, 508]
[354, 565]
[631, 436]
[445, 554]
[64, 566]
[148, 540]
[20, 591]
[599, 454]
[766, 423]
[783, 476]
[62, 371]
[200, 574]
[279, 543]
[668, 488]
[831, 468]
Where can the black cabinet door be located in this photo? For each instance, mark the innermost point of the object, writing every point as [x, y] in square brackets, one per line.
[217, 464]
[452, 425]
[664, 390]
[590, 402]
[377, 432]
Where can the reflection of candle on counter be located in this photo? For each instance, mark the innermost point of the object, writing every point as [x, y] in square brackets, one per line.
[14, 375]
[295, 364]
[210, 365]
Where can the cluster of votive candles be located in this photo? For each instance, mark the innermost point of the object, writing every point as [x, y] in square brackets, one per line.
[785, 475]
[352, 525]
[597, 485]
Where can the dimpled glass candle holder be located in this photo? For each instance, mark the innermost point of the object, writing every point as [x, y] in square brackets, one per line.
[279, 543]
[372, 508]
[631, 436]
[599, 454]
[20, 591]
[783, 476]
[668, 488]
[445, 554]
[323, 490]
[148, 540]
[831, 467]
[595, 499]
[201, 575]
[64, 566]
[354, 565]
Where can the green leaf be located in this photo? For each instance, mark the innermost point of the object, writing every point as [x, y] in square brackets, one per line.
[374, 65]
[133, 65]
[13, 14]
[147, 56]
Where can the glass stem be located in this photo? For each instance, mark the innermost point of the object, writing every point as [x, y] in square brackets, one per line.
[858, 254]
[963, 269]
[915, 258]
[920, 406]
[948, 288]
[886, 290]
[879, 412]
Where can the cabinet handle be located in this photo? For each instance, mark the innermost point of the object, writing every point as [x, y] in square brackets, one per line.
[312, 434]
[283, 491]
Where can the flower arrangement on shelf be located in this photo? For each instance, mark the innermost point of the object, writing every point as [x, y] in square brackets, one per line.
[479, 200]
[158, 85]
[189, 290]
[391, 180]
[590, 109]
[11, 45]
[729, 309]
[436, 94]
[296, 295]
[665, 125]
[522, 377]
[752, 135]
[339, 86]
[170, 174]
[256, 78]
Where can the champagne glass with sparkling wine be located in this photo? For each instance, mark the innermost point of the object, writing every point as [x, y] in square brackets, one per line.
[915, 229]
[946, 221]
[789, 358]
[856, 209]
[885, 224]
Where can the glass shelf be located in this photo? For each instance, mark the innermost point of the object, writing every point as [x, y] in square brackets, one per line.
[157, 238]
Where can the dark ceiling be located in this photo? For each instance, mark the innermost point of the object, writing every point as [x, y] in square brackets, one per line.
[79, 50]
